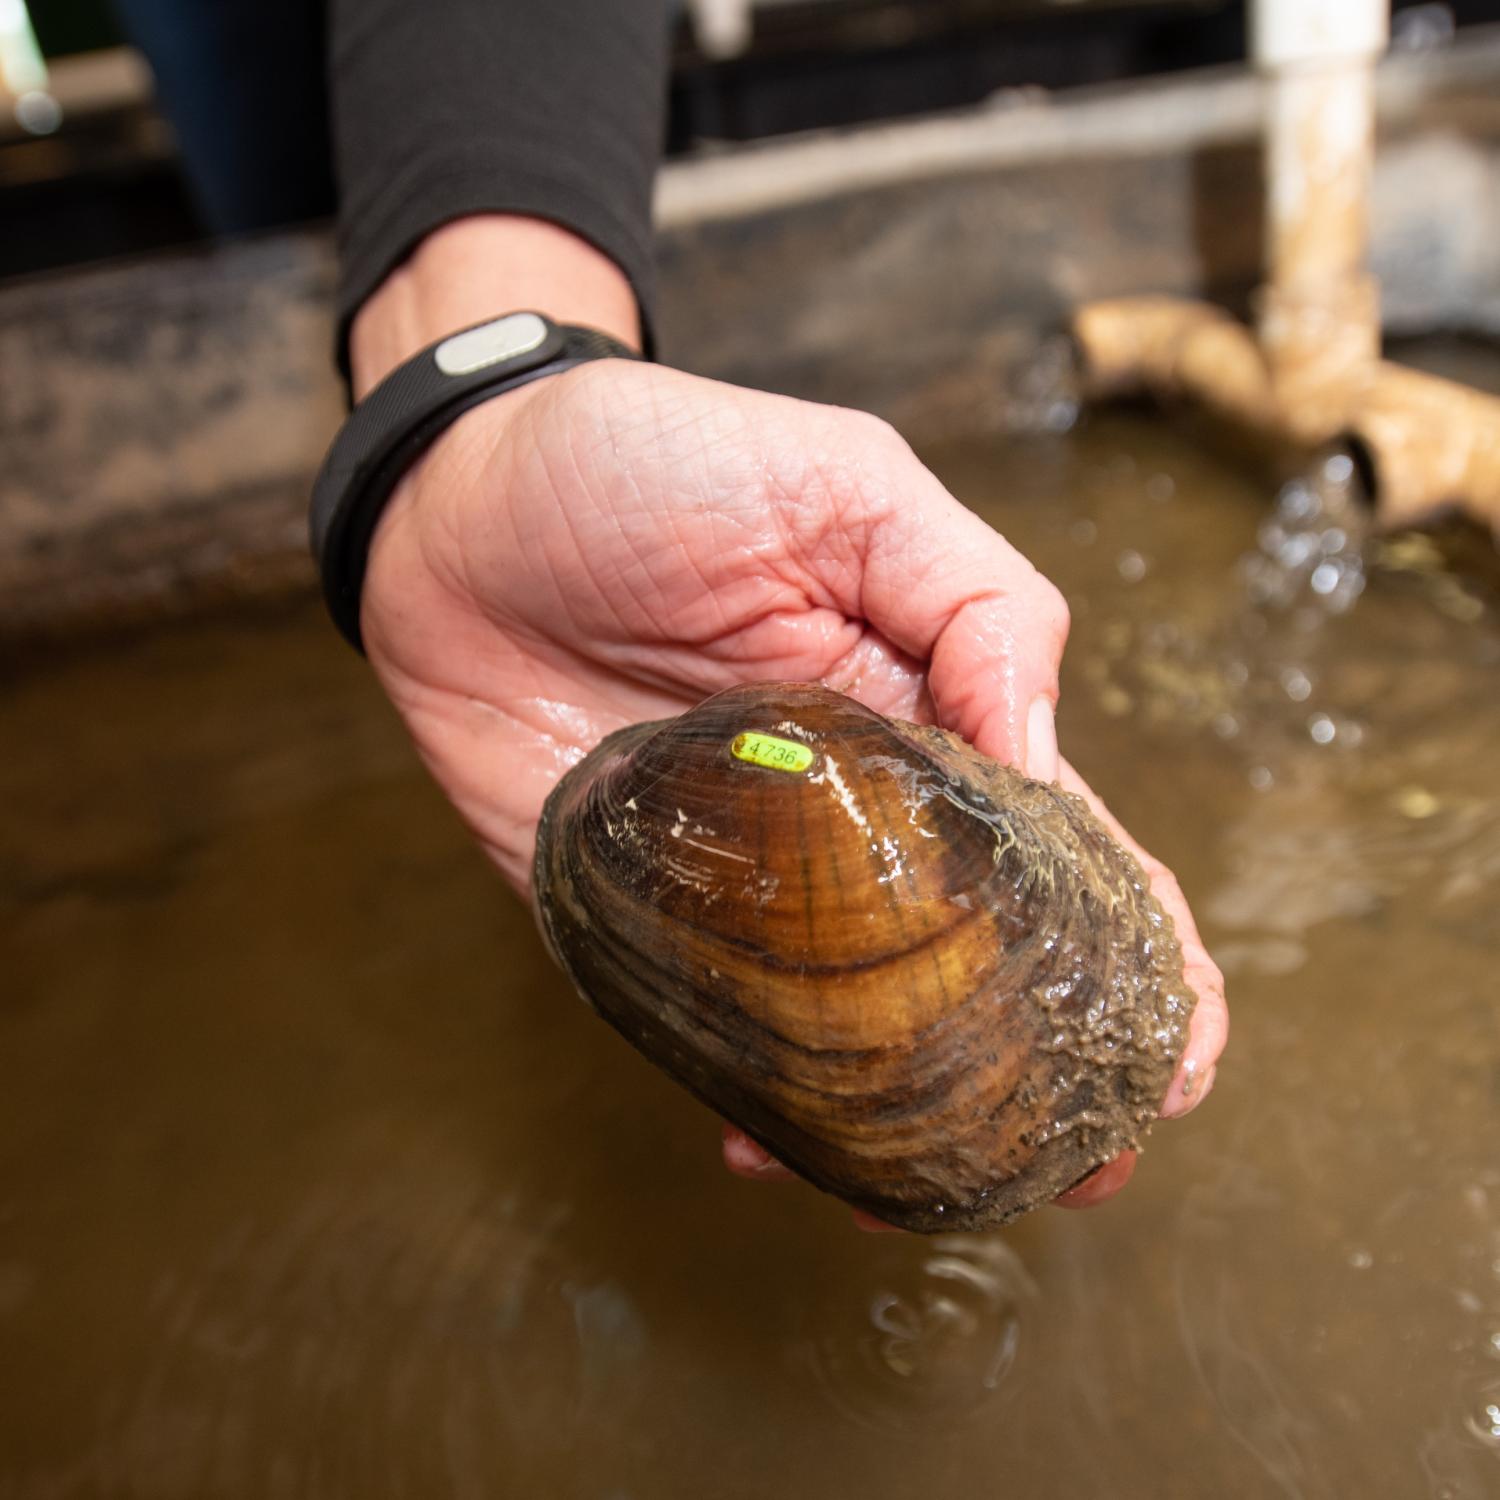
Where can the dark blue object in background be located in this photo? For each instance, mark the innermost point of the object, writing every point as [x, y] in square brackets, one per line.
[242, 82]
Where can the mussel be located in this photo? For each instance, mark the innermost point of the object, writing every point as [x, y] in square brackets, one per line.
[930, 986]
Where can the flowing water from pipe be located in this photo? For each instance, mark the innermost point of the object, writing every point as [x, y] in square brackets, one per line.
[316, 1181]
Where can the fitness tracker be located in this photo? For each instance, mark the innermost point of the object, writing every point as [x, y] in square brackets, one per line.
[405, 413]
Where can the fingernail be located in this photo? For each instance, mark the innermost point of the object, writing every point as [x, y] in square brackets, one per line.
[1188, 1090]
[1041, 741]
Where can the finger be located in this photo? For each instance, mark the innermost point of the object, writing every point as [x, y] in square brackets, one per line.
[1102, 1185]
[1209, 1029]
[869, 1224]
[997, 632]
[947, 589]
[1192, 1083]
[748, 1158]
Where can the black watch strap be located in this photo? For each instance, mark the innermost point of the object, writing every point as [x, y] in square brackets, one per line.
[395, 423]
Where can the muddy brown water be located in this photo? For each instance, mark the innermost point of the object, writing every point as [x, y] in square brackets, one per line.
[316, 1181]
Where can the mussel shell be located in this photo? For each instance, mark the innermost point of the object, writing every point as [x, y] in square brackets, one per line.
[927, 984]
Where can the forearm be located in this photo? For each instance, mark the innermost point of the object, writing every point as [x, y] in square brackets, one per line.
[481, 267]
[464, 131]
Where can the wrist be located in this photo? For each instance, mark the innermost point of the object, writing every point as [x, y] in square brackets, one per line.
[481, 267]
[417, 403]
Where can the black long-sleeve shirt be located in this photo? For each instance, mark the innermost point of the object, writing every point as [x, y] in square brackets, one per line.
[443, 108]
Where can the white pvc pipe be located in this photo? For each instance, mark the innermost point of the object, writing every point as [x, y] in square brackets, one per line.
[723, 28]
[1320, 149]
[1299, 33]
[1319, 310]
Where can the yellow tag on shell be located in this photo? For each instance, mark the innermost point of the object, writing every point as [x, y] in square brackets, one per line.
[771, 752]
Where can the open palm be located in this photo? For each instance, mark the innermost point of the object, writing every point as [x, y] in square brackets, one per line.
[617, 542]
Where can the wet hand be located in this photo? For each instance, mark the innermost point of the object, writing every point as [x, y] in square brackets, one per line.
[616, 543]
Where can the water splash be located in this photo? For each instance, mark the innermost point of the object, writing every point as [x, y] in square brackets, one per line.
[1311, 549]
[1253, 663]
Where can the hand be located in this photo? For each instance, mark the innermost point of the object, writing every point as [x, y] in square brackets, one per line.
[616, 543]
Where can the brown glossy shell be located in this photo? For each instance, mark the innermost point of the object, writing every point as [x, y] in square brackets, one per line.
[926, 983]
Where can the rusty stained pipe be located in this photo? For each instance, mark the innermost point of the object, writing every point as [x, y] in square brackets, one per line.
[1312, 372]
[1427, 443]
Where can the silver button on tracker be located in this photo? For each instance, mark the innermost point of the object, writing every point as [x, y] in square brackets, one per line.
[505, 338]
